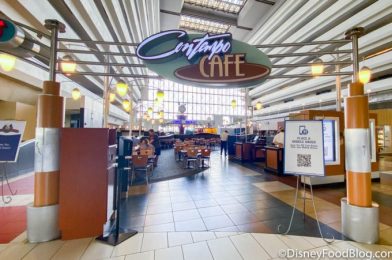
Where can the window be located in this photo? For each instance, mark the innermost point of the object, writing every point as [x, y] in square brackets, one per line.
[200, 103]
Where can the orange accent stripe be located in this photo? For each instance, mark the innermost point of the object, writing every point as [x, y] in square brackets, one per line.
[51, 88]
[355, 89]
[359, 192]
[357, 112]
[46, 188]
[50, 111]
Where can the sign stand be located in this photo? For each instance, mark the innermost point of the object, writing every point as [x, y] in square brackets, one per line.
[6, 199]
[329, 241]
[116, 237]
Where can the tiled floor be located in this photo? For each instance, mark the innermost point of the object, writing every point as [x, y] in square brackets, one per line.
[185, 245]
[225, 197]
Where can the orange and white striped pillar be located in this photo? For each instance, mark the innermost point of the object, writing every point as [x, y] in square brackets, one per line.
[359, 213]
[42, 216]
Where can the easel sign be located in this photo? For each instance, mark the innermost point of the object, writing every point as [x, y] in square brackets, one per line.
[304, 148]
[304, 155]
[11, 133]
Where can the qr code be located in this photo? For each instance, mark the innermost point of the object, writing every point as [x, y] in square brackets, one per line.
[304, 160]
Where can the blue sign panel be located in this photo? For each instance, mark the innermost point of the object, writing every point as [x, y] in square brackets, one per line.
[11, 133]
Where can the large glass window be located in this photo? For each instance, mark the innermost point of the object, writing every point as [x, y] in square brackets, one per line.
[200, 103]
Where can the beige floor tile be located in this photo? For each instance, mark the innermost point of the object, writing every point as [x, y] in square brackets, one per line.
[272, 186]
[383, 226]
[202, 236]
[168, 227]
[248, 247]
[223, 249]
[97, 250]
[173, 253]
[22, 237]
[73, 249]
[271, 243]
[152, 241]
[226, 234]
[157, 219]
[3, 246]
[44, 250]
[197, 251]
[130, 246]
[367, 247]
[386, 236]
[16, 250]
[344, 245]
[316, 241]
[141, 256]
[296, 242]
[179, 238]
[115, 258]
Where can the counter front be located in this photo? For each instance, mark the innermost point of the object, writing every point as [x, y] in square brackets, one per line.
[274, 159]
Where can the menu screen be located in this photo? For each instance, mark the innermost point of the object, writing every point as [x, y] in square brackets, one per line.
[329, 140]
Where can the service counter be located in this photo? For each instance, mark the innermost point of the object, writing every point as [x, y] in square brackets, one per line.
[243, 151]
[258, 153]
[274, 159]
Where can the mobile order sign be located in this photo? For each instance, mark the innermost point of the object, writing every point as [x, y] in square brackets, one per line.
[304, 147]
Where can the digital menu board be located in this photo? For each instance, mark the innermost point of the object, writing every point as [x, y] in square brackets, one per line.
[329, 140]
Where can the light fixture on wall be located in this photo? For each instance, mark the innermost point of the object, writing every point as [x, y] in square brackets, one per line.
[121, 88]
[126, 105]
[161, 120]
[112, 97]
[75, 94]
[317, 67]
[364, 75]
[7, 62]
[259, 105]
[234, 103]
[68, 64]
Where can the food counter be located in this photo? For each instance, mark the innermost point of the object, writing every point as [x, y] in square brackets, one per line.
[274, 159]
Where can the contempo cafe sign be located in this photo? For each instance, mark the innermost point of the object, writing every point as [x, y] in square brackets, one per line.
[204, 60]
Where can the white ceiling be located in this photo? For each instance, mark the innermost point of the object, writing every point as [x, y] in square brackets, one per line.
[258, 22]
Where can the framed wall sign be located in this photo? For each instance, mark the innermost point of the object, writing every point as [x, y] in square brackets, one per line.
[304, 148]
[209, 60]
[11, 133]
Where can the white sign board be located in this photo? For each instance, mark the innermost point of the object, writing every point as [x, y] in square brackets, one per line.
[11, 133]
[304, 148]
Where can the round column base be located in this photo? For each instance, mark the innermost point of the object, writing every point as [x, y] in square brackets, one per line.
[360, 223]
[42, 223]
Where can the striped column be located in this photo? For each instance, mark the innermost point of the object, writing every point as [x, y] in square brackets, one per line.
[50, 110]
[357, 136]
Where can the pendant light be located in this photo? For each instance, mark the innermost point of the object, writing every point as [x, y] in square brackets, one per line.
[259, 105]
[160, 95]
[364, 75]
[75, 94]
[234, 103]
[121, 88]
[7, 62]
[112, 97]
[317, 67]
[126, 105]
[68, 65]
